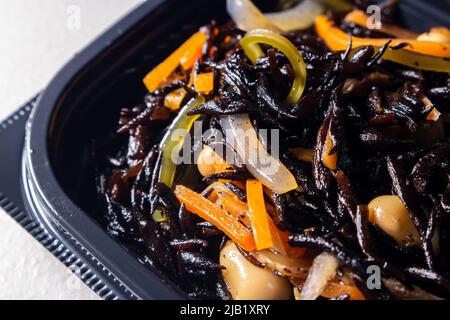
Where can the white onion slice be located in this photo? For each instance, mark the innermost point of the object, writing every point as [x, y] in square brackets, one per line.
[248, 17]
[242, 136]
[299, 17]
[323, 269]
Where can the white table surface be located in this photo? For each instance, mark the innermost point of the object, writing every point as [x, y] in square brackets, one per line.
[36, 38]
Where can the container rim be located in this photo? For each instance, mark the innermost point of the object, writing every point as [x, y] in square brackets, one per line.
[141, 281]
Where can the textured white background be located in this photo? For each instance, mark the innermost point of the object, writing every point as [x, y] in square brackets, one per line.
[35, 42]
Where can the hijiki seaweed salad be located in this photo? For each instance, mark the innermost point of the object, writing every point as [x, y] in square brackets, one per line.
[349, 196]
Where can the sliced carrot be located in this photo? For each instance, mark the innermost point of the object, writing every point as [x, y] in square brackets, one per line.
[337, 40]
[329, 160]
[163, 70]
[359, 18]
[174, 99]
[207, 210]
[239, 209]
[258, 215]
[236, 208]
[434, 115]
[228, 200]
[204, 82]
[281, 242]
[335, 289]
[188, 60]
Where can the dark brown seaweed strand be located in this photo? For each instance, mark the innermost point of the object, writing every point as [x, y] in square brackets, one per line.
[431, 228]
[322, 176]
[345, 193]
[157, 249]
[142, 118]
[430, 277]
[192, 244]
[237, 176]
[222, 290]
[423, 175]
[403, 189]
[336, 127]
[222, 106]
[206, 229]
[436, 214]
[278, 78]
[346, 54]
[362, 55]
[153, 196]
[186, 223]
[382, 119]
[440, 92]
[332, 76]
[237, 191]
[267, 101]
[400, 46]
[171, 205]
[338, 219]
[279, 215]
[444, 200]
[197, 260]
[406, 193]
[121, 222]
[353, 262]
[299, 170]
[375, 103]
[379, 54]
[141, 186]
[375, 139]
[363, 232]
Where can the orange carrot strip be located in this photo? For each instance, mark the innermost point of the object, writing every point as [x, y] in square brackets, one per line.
[236, 208]
[207, 210]
[335, 289]
[337, 40]
[190, 57]
[204, 82]
[239, 209]
[360, 18]
[434, 115]
[258, 215]
[174, 99]
[163, 70]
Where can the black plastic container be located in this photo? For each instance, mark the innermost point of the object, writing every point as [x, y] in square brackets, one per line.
[56, 178]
